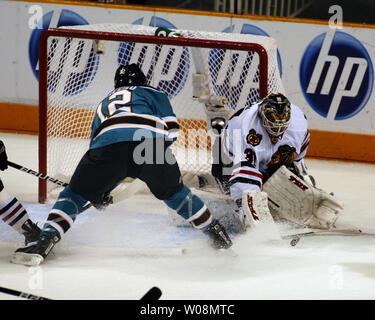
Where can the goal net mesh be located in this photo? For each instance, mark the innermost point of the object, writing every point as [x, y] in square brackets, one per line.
[80, 73]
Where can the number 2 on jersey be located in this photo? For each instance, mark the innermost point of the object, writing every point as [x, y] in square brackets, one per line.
[117, 101]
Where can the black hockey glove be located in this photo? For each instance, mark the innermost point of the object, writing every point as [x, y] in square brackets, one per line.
[284, 155]
[3, 157]
[106, 200]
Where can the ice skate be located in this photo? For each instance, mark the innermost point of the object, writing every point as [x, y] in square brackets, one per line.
[31, 232]
[36, 253]
[218, 236]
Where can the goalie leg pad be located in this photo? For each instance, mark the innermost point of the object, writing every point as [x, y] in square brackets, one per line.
[255, 207]
[326, 214]
[293, 199]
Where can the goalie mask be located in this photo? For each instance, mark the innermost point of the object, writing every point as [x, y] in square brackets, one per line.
[275, 113]
[129, 75]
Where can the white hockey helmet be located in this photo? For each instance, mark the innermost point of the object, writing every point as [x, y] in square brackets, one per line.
[275, 111]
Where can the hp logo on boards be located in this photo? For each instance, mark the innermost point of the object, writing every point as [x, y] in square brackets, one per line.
[251, 29]
[243, 88]
[171, 65]
[336, 75]
[83, 67]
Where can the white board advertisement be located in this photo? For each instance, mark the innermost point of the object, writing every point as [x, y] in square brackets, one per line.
[328, 72]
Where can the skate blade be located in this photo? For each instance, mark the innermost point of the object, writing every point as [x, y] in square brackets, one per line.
[26, 259]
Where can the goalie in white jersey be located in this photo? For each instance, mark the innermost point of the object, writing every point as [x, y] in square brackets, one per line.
[265, 144]
[262, 137]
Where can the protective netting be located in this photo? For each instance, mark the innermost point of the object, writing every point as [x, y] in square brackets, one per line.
[80, 73]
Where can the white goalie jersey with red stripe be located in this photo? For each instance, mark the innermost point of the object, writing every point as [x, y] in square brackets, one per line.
[254, 154]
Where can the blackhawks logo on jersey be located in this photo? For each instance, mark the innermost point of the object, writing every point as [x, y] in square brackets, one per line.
[253, 138]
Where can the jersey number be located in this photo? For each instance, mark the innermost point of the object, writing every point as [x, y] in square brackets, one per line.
[118, 101]
[250, 157]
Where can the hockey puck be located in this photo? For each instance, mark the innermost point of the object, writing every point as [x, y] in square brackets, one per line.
[294, 241]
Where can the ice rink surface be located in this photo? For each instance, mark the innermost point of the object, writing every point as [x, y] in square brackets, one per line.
[96, 260]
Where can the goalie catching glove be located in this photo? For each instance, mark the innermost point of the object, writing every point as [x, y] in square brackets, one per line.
[293, 199]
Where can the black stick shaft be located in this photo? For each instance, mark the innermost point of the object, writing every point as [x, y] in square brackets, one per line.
[43, 177]
[153, 294]
[21, 294]
[36, 174]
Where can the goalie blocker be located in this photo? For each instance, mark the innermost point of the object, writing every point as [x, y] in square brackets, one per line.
[293, 199]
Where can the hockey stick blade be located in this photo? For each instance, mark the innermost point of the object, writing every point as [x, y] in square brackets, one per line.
[153, 294]
[22, 294]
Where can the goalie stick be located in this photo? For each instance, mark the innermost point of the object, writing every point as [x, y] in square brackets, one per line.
[153, 294]
[307, 232]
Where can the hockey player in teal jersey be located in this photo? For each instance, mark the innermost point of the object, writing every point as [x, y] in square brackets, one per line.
[131, 134]
[131, 112]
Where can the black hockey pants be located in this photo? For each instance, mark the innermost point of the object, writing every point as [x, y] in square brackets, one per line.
[101, 170]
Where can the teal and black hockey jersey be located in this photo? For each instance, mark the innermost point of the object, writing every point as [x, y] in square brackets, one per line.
[133, 114]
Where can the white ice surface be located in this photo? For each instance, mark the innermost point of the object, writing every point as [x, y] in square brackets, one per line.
[93, 260]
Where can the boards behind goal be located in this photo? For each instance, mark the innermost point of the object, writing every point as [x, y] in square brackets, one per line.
[203, 73]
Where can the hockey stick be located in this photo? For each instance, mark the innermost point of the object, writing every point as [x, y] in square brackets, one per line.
[36, 174]
[153, 294]
[22, 294]
[329, 232]
[118, 196]
[43, 177]
[298, 234]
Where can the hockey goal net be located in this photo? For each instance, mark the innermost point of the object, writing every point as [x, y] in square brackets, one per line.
[195, 69]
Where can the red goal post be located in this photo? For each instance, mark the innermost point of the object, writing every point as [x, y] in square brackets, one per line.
[48, 104]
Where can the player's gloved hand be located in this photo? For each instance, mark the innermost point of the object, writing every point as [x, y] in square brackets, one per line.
[284, 155]
[106, 200]
[3, 157]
